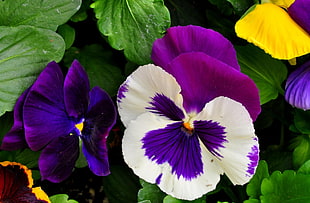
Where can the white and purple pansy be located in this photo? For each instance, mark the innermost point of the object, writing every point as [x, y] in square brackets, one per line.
[189, 118]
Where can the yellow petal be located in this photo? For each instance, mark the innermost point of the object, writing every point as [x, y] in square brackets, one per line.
[27, 171]
[282, 3]
[40, 194]
[273, 30]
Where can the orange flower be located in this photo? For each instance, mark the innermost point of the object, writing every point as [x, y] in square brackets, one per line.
[16, 185]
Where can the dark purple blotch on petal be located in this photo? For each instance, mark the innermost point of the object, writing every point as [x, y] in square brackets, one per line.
[212, 135]
[15, 138]
[76, 90]
[58, 158]
[158, 179]
[186, 39]
[254, 158]
[203, 78]
[99, 120]
[175, 146]
[300, 12]
[121, 92]
[164, 106]
[297, 88]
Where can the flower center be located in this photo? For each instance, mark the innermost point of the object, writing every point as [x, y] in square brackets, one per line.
[187, 127]
[80, 126]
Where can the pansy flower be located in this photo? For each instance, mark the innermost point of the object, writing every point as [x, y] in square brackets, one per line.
[189, 118]
[280, 27]
[55, 113]
[297, 87]
[16, 185]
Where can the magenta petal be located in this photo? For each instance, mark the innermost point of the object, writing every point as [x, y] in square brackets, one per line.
[76, 89]
[15, 138]
[184, 39]
[297, 89]
[45, 117]
[58, 158]
[99, 120]
[203, 78]
[300, 12]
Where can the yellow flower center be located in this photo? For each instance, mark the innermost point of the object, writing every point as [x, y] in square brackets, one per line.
[80, 126]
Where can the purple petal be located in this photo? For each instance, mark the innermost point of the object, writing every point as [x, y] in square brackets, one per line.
[297, 87]
[175, 146]
[99, 120]
[211, 134]
[58, 158]
[185, 39]
[203, 78]
[15, 138]
[164, 106]
[76, 90]
[45, 117]
[299, 11]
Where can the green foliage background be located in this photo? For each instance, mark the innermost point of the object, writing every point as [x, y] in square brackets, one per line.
[111, 39]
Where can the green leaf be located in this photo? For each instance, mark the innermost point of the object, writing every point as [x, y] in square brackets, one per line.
[99, 66]
[253, 187]
[24, 52]
[288, 187]
[150, 192]
[6, 122]
[241, 6]
[44, 14]
[301, 153]
[28, 158]
[301, 121]
[170, 199]
[67, 33]
[267, 73]
[132, 25]
[121, 186]
[61, 198]
[305, 168]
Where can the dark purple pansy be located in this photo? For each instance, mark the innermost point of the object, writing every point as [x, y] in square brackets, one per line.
[190, 120]
[16, 185]
[297, 88]
[300, 12]
[55, 113]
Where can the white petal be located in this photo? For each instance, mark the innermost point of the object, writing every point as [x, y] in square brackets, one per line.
[149, 170]
[240, 134]
[141, 86]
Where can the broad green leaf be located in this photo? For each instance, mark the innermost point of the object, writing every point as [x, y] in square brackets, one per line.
[67, 33]
[121, 186]
[6, 122]
[24, 52]
[305, 168]
[267, 73]
[253, 188]
[301, 121]
[240, 6]
[61, 198]
[28, 158]
[150, 192]
[301, 153]
[286, 187]
[99, 66]
[170, 199]
[132, 25]
[44, 14]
